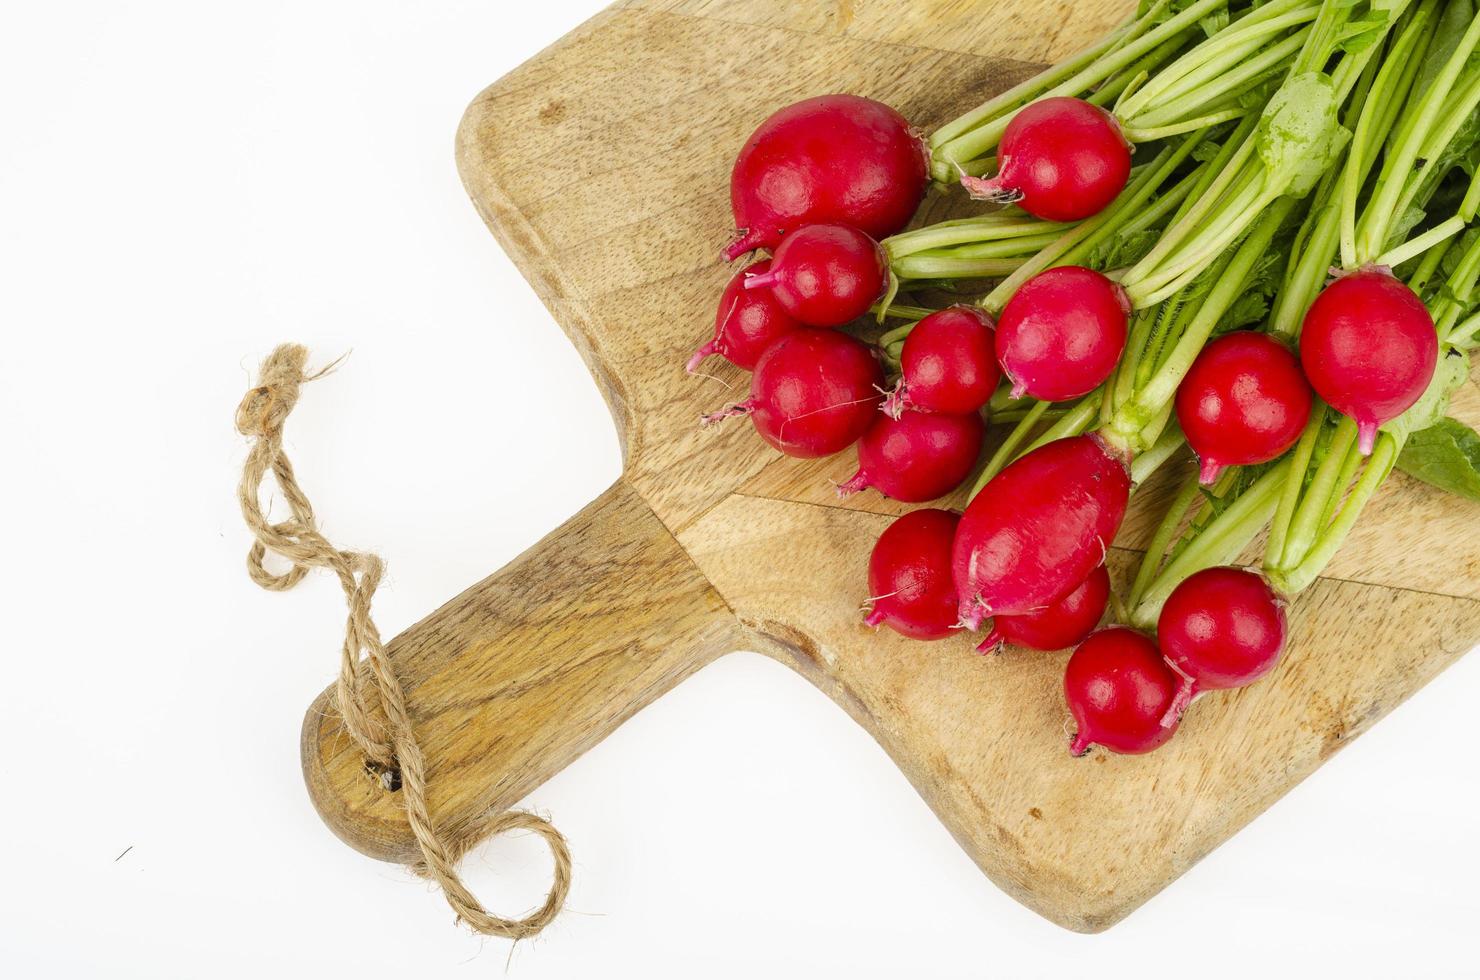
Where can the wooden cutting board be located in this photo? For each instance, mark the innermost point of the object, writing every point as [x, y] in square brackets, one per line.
[602, 167]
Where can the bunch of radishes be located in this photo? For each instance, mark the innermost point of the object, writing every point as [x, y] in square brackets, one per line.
[1138, 310]
[815, 183]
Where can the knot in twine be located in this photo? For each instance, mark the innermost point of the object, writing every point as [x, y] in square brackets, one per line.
[392, 747]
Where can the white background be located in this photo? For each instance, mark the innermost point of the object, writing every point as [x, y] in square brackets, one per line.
[184, 185]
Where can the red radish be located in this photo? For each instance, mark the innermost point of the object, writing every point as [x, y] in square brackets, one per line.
[1061, 625]
[1369, 348]
[918, 457]
[948, 364]
[1244, 401]
[825, 275]
[813, 393]
[909, 576]
[1221, 628]
[747, 322]
[837, 158]
[1038, 528]
[1061, 334]
[1118, 688]
[1059, 159]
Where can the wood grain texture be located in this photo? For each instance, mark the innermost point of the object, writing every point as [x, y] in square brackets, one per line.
[515, 678]
[602, 167]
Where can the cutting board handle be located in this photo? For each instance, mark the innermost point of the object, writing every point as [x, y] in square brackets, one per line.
[512, 680]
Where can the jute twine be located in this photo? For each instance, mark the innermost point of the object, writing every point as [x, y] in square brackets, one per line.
[392, 747]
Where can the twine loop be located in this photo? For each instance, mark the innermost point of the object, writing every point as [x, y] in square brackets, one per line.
[392, 747]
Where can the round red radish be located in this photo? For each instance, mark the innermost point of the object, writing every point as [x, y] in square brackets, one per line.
[1059, 626]
[1060, 159]
[909, 576]
[917, 457]
[813, 393]
[746, 323]
[948, 364]
[836, 158]
[1061, 334]
[1244, 401]
[1038, 528]
[825, 275]
[1221, 628]
[1369, 348]
[1119, 688]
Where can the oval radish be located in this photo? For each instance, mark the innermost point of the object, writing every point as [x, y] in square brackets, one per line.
[813, 393]
[1221, 628]
[825, 275]
[1119, 688]
[1061, 334]
[1057, 627]
[1244, 401]
[1060, 159]
[909, 576]
[948, 364]
[746, 323]
[1038, 528]
[1369, 348]
[836, 158]
[917, 457]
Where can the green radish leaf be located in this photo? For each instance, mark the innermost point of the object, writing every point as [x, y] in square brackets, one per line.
[1362, 32]
[1123, 250]
[1248, 308]
[1452, 371]
[1411, 217]
[1260, 287]
[1445, 455]
[1299, 135]
[1447, 33]
[1215, 22]
[1206, 150]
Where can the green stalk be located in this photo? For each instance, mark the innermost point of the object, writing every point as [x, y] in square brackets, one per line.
[1377, 220]
[1164, 204]
[1190, 218]
[1027, 90]
[1243, 207]
[1441, 232]
[1349, 465]
[946, 267]
[1139, 135]
[1230, 283]
[1379, 109]
[1076, 421]
[1471, 203]
[1162, 539]
[916, 313]
[1305, 528]
[1456, 115]
[1379, 466]
[1224, 76]
[1219, 543]
[1124, 84]
[1008, 449]
[975, 142]
[1463, 334]
[1024, 245]
[1125, 372]
[1217, 54]
[1087, 233]
[995, 227]
[1309, 272]
[1430, 265]
[1163, 447]
[1279, 528]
